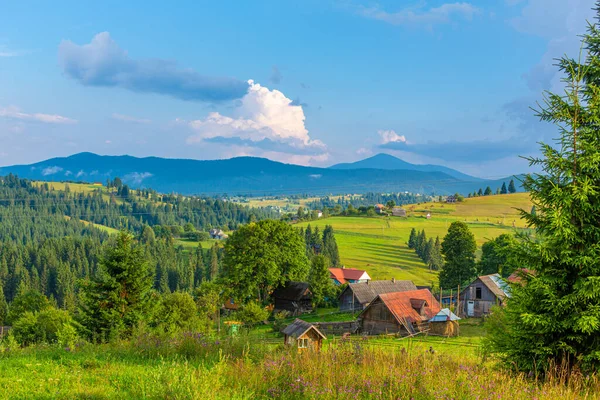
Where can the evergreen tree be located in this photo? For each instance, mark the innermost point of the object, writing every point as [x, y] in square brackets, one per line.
[118, 298]
[503, 190]
[214, 262]
[553, 315]
[330, 247]
[428, 251]
[498, 256]
[458, 248]
[488, 191]
[320, 282]
[436, 260]
[421, 242]
[480, 192]
[3, 306]
[412, 240]
[511, 187]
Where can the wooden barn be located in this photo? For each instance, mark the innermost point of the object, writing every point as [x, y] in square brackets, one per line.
[357, 296]
[294, 297]
[444, 323]
[402, 313]
[477, 299]
[303, 335]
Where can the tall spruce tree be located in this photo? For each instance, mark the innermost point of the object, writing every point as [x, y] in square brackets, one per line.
[553, 315]
[503, 189]
[458, 248]
[412, 240]
[330, 247]
[488, 191]
[511, 187]
[118, 298]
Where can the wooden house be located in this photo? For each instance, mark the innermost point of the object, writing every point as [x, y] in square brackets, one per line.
[357, 296]
[403, 313]
[444, 323]
[344, 275]
[451, 199]
[398, 212]
[294, 297]
[379, 208]
[477, 299]
[303, 335]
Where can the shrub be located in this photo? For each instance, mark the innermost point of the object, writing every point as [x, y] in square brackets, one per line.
[252, 313]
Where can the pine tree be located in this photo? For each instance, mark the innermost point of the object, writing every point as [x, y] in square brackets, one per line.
[436, 260]
[412, 240]
[214, 262]
[553, 316]
[511, 187]
[330, 247]
[428, 251]
[421, 242]
[503, 190]
[319, 279]
[3, 306]
[480, 192]
[488, 191]
[458, 248]
[118, 298]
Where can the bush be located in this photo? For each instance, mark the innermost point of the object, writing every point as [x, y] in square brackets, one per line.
[176, 312]
[44, 327]
[252, 313]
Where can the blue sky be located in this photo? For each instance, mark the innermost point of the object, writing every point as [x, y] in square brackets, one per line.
[308, 82]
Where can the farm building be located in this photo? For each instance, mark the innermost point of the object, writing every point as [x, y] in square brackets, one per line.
[379, 208]
[444, 323]
[303, 335]
[518, 275]
[400, 313]
[357, 296]
[217, 234]
[294, 297]
[451, 199]
[398, 212]
[348, 275]
[477, 299]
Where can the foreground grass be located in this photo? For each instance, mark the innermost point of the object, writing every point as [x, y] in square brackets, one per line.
[193, 367]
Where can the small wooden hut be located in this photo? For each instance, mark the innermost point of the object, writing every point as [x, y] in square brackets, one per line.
[294, 297]
[303, 335]
[444, 323]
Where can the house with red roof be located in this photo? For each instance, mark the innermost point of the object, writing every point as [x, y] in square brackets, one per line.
[402, 313]
[344, 275]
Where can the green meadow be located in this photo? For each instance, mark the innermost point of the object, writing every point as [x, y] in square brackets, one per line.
[379, 244]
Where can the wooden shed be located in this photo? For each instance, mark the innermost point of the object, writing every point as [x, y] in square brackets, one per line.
[484, 292]
[294, 297]
[404, 313]
[303, 335]
[444, 323]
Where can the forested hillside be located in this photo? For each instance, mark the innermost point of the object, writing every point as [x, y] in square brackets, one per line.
[48, 242]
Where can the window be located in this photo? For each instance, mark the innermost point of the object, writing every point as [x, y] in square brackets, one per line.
[478, 293]
[302, 343]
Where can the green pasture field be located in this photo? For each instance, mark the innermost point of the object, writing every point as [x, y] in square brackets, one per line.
[379, 244]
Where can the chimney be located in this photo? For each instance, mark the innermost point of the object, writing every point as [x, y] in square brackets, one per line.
[393, 280]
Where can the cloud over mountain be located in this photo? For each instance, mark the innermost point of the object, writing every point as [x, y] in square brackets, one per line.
[266, 119]
[15, 113]
[103, 63]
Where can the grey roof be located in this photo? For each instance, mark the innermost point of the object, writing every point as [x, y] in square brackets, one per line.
[294, 291]
[444, 315]
[496, 284]
[366, 292]
[299, 328]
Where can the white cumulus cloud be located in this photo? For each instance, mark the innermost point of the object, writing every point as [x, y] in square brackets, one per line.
[51, 170]
[390, 136]
[421, 16]
[265, 119]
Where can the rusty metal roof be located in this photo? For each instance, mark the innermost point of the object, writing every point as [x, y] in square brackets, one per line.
[366, 292]
[400, 305]
[299, 328]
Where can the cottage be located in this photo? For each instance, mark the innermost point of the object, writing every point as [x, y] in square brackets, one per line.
[217, 234]
[402, 313]
[294, 297]
[379, 208]
[357, 296]
[319, 213]
[451, 199]
[303, 335]
[398, 212]
[344, 275]
[444, 323]
[477, 299]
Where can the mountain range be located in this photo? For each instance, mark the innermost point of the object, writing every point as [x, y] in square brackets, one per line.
[254, 176]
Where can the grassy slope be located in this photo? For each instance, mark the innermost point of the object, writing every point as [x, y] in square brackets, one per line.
[378, 244]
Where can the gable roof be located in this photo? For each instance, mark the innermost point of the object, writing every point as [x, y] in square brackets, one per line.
[299, 328]
[343, 275]
[400, 305]
[496, 285]
[444, 315]
[366, 292]
[293, 291]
